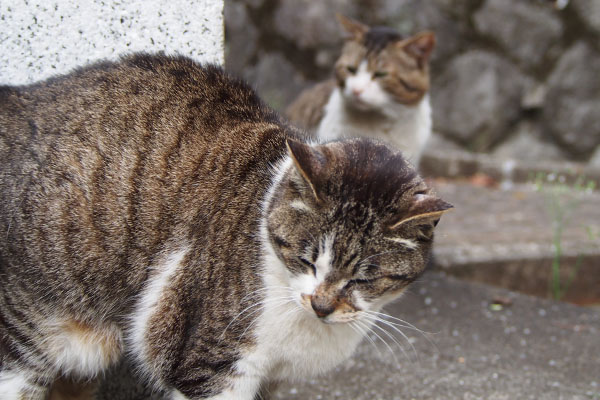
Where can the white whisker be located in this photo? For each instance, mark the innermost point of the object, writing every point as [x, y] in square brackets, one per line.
[395, 341]
[365, 333]
[384, 342]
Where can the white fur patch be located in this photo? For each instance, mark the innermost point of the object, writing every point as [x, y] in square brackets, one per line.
[408, 128]
[12, 385]
[81, 349]
[147, 304]
[177, 395]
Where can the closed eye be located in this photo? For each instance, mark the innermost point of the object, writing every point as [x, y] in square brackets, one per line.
[393, 277]
[380, 74]
[310, 265]
[351, 69]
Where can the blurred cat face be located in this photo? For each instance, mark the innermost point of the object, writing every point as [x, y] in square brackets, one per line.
[377, 68]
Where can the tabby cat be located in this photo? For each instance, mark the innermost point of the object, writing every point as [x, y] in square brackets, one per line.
[156, 209]
[380, 90]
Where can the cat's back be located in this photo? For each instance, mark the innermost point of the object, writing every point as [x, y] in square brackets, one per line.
[109, 165]
[308, 109]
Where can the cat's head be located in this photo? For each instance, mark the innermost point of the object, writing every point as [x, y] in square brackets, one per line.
[352, 223]
[379, 69]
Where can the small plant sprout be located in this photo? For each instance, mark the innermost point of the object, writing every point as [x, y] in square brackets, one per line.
[561, 199]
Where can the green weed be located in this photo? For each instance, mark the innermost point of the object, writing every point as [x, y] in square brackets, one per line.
[561, 199]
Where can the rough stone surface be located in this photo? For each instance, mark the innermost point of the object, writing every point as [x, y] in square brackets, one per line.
[595, 159]
[241, 37]
[45, 38]
[528, 142]
[528, 348]
[409, 17]
[572, 110]
[526, 30]
[477, 98]
[589, 12]
[283, 72]
[310, 23]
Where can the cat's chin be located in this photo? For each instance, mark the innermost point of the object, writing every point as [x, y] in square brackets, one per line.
[360, 105]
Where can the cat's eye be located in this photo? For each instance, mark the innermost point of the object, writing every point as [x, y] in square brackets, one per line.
[312, 266]
[380, 74]
[281, 242]
[351, 69]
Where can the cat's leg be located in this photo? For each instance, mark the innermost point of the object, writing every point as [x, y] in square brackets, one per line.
[19, 384]
[242, 387]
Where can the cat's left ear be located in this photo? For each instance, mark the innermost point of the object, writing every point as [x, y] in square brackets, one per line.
[426, 209]
[355, 29]
[309, 162]
[419, 46]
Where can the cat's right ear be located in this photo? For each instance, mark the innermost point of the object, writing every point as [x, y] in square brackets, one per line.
[424, 213]
[308, 161]
[419, 46]
[355, 29]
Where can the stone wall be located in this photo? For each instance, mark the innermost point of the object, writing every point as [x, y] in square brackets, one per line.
[513, 78]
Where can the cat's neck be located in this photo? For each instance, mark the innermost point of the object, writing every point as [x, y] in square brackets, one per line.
[406, 127]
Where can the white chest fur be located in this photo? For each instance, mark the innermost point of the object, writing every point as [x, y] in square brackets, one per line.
[406, 127]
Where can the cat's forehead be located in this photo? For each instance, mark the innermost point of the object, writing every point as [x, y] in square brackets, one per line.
[368, 173]
[378, 38]
[378, 51]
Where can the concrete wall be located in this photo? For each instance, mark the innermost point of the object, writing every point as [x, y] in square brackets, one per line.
[40, 38]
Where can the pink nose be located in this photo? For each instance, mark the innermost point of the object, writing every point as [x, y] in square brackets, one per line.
[357, 92]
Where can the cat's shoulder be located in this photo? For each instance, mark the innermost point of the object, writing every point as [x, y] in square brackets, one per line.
[309, 107]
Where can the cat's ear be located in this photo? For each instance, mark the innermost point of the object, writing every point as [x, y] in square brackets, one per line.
[419, 46]
[425, 210]
[355, 29]
[308, 161]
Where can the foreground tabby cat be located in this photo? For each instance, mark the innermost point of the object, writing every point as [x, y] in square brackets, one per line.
[380, 91]
[156, 209]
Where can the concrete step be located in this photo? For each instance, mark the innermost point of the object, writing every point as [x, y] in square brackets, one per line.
[505, 236]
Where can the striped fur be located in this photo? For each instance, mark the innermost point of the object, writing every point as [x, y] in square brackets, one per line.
[155, 209]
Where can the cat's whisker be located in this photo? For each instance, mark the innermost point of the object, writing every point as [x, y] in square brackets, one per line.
[380, 338]
[365, 333]
[403, 324]
[262, 304]
[388, 334]
[266, 289]
[282, 302]
[396, 328]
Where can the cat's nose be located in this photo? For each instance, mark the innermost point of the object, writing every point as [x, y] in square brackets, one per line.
[357, 92]
[321, 308]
